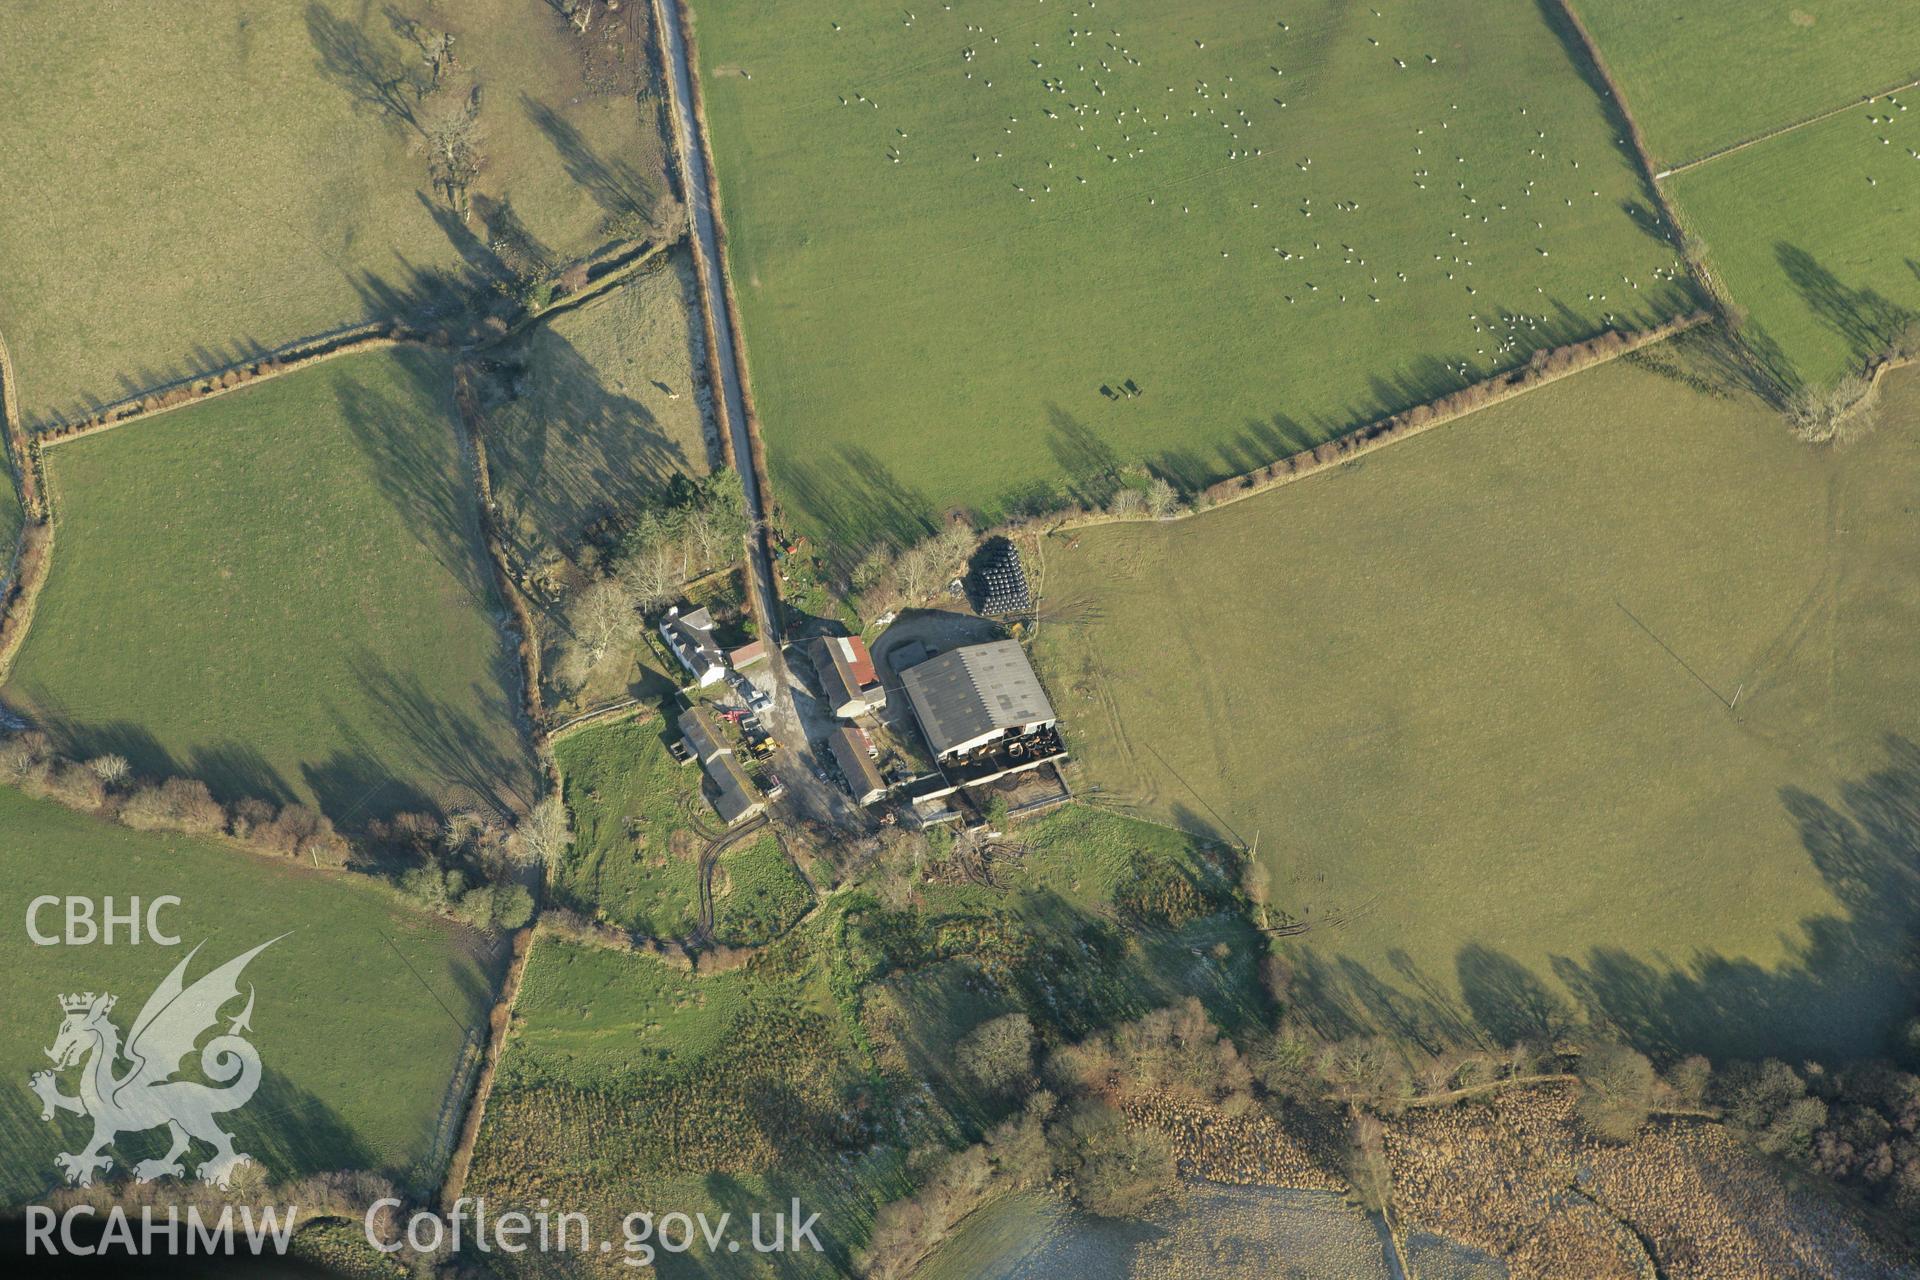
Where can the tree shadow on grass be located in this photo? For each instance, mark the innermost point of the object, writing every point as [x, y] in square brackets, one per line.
[424, 485]
[374, 73]
[1865, 319]
[860, 501]
[1850, 981]
[616, 186]
[448, 742]
[580, 453]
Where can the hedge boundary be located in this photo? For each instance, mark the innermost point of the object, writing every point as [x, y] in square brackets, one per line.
[32, 552]
[1547, 367]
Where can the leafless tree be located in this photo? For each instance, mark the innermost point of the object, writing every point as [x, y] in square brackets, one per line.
[603, 616]
[543, 837]
[1162, 500]
[650, 575]
[111, 768]
[452, 138]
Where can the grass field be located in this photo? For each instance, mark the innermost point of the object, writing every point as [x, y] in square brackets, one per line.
[1144, 207]
[1810, 232]
[1470, 696]
[281, 591]
[756, 893]
[1710, 73]
[629, 1085]
[184, 187]
[335, 1007]
[636, 848]
[606, 412]
[9, 512]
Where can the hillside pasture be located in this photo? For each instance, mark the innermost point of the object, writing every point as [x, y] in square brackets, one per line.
[639, 824]
[629, 1083]
[1595, 701]
[360, 989]
[282, 591]
[1269, 230]
[190, 187]
[1810, 232]
[1710, 73]
[604, 410]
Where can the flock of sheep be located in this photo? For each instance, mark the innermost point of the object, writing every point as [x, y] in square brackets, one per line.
[1101, 110]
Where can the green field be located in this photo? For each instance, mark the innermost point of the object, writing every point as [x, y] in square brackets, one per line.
[282, 591]
[637, 822]
[605, 412]
[1709, 73]
[1469, 696]
[757, 895]
[629, 1085]
[9, 513]
[1156, 246]
[1810, 232]
[186, 187]
[358, 1050]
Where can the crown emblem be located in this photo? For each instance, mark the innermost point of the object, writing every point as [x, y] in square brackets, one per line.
[81, 1003]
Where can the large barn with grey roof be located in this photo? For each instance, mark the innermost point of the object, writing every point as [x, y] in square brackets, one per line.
[982, 711]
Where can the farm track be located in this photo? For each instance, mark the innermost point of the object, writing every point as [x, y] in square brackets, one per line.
[697, 181]
[1782, 131]
[709, 858]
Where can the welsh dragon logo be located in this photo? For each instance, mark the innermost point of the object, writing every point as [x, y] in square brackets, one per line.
[144, 1094]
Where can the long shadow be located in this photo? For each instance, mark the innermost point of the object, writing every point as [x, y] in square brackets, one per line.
[376, 76]
[453, 745]
[424, 484]
[1866, 320]
[580, 454]
[616, 186]
[1092, 468]
[1851, 980]
[857, 497]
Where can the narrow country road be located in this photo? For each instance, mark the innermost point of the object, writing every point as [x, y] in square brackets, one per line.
[798, 764]
[692, 146]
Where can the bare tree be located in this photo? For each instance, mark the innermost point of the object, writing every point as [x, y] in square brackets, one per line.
[1128, 504]
[650, 575]
[713, 538]
[543, 837]
[1162, 500]
[111, 768]
[603, 616]
[452, 138]
[915, 572]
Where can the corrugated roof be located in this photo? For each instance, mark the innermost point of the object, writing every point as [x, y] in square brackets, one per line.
[853, 650]
[850, 753]
[976, 690]
[733, 797]
[700, 736]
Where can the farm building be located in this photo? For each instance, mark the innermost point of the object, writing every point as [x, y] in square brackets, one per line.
[730, 791]
[853, 752]
[983, 712]
[848, 681]
[690, 636]
[700, 737]
[747, 654]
